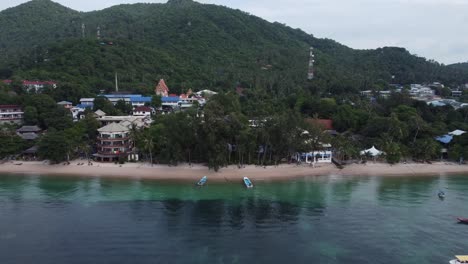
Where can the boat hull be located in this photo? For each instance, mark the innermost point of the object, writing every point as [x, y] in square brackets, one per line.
[248, 183]
[202, 181]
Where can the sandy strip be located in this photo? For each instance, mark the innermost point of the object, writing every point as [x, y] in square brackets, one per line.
[229, 174]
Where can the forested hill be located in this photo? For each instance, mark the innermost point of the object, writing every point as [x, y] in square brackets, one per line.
[196, 46]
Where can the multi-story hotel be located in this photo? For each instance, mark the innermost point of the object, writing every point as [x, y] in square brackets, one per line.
[114, 142]
[11, 114]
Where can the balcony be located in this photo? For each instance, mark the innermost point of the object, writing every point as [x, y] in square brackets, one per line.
[113, 139]
[114, 145]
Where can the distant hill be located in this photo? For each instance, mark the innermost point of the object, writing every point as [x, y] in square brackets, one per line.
[193, 45]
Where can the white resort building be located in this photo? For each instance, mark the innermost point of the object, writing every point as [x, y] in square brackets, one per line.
[114, 143]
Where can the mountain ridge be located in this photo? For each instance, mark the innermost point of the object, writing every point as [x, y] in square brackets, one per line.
[196, 44]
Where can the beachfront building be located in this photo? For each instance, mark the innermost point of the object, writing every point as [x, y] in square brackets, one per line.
[319, 156]
[114, 143]
[127, 121]
[11, 114]
[29, 132]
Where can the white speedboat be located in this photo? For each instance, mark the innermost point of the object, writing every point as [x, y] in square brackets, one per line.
[459, 259]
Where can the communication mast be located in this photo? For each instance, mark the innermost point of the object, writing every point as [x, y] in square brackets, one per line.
[83, 28]
[98, 33]
[310, 74]
[116, 83]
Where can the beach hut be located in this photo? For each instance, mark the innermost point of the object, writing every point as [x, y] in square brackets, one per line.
[457, 132]
[372, 152]
[445, 139]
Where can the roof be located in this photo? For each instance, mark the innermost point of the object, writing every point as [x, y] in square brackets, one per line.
[113, 127]
[83, 106]
[457, 132]
[122, 95]
[162, 87]
[87, 99]
[326, 124]
[64, 103]
[143, 99]
[462, 257]
[372, 151]
[99, 112]
[31, 150]
[9, 106]
[26, 82]
[170, 99]
[28, 136]
[444, 139]
[26, 129]
[143, 109]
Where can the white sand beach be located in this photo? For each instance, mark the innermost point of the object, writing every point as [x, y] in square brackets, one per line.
[231, 173]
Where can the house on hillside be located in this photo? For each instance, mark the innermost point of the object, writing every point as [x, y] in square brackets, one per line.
[66, 104]
[114, 143]
[11, 114]
[34, 86]
[99, 113]
[142, 111]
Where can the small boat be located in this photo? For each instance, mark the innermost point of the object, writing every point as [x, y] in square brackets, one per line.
[441, 195]
[459, 260]
[202, 181]
[248, 183]
[462, 220]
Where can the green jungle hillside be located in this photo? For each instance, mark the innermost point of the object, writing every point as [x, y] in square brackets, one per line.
[193, 45]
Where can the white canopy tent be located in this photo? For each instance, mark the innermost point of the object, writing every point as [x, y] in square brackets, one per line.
[457, 132]
[372, 151]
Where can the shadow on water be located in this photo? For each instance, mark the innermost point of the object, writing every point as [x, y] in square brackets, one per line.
[12, 186]
[412, 189]
[58, 187]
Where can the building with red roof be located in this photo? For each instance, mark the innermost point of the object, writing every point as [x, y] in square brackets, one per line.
[162, 89]
[326, 124]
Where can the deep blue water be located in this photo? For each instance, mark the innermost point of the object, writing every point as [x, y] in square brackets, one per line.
[314, 220]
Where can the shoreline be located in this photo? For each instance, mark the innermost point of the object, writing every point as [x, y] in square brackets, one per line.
[186, 173]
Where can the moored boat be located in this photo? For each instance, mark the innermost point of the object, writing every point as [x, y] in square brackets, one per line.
[462, 220]
[441, 195]
[248, 183]
[459, 260]
[202, 181]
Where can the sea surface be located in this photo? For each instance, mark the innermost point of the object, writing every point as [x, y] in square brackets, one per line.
[314, 220]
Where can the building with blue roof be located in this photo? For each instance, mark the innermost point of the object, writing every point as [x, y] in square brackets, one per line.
[170, 101]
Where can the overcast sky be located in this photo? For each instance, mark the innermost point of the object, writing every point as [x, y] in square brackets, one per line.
[435, 29]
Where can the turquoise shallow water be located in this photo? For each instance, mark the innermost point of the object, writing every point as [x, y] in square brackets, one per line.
[314, 220]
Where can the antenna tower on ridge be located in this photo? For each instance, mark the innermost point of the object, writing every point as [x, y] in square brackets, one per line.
[83, 28]
[116, 83]
[98, 33]
[310, 74]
